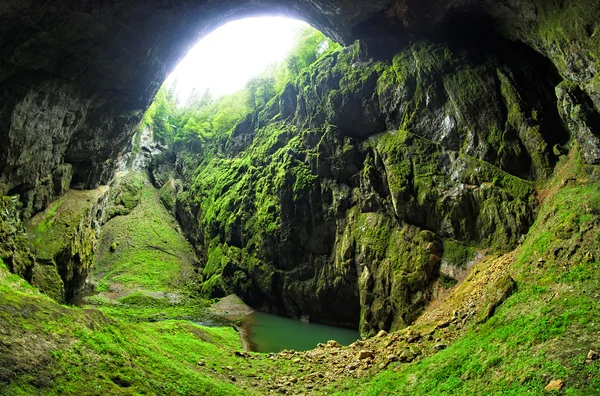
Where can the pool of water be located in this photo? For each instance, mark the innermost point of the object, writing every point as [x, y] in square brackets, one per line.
[270, 333]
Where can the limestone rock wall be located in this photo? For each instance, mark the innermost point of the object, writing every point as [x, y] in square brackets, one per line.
[340, 199]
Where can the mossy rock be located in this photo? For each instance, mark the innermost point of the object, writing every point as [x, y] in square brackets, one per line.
[47, 279]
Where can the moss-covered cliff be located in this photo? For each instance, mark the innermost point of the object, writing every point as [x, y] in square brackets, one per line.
[341, 198]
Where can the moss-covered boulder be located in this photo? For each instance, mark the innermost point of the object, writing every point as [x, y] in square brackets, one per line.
[63, 239]
[124, 194]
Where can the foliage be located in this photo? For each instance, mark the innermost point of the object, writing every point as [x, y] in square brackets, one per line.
[204, 119]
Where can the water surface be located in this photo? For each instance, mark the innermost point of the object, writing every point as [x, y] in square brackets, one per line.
[270, 333]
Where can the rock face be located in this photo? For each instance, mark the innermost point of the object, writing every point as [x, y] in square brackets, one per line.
[338, 201]
[63, 239]
[14, 245]
[76, 78]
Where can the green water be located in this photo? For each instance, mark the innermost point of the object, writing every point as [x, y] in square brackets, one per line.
[271, 333]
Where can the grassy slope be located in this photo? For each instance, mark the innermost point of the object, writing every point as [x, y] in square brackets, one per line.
[543, 331]
[144, 265]
[150, 254]
[67, 351]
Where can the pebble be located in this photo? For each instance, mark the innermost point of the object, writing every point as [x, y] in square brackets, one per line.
[365, 354]
[554, 385]
[352, 366]
[439, 347]
[443, 324]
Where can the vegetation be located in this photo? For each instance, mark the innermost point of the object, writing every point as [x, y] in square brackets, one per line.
[144, 267]
[261, 189]
[543, 331]
[205, 118]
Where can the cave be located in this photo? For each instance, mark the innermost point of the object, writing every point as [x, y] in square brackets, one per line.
[420, 183]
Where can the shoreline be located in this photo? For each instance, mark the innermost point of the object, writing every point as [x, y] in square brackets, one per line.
[243, 337]
[232, 309]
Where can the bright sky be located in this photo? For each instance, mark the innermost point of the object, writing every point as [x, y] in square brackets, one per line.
[228, 57]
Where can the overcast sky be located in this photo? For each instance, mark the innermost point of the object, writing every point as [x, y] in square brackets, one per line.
[227, 58]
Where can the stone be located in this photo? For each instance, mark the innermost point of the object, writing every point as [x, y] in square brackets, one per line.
[554, 385]
[333, 344]
[364, 354]
[439, 347]
[352, 366]
[495, 295]
[381, 334]
[443, 324]
[201, 363]
[592, 355]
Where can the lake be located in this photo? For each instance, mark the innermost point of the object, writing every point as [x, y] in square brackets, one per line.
[270, 333]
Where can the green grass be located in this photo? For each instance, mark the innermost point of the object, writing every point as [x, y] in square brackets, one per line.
[544, 331]
[84, 352]
[149, 252]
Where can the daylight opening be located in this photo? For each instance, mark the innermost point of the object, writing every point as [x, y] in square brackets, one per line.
[226, 59]
[232, 72]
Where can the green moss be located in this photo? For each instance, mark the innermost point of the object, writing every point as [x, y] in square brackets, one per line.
[82, 350]
[125, 193]
[418, 184]
[148, 253]
[414, 70]
[47, 279]
[552, 311]
[457, 253]
[571, 26]
[52, 231]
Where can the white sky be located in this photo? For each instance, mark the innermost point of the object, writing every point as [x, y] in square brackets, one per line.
[227, 58]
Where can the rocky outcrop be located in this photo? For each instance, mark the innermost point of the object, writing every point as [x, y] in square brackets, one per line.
[63, 239]
[14, 245]
[584, 122]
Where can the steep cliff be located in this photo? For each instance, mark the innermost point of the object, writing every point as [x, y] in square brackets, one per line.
[340, 199]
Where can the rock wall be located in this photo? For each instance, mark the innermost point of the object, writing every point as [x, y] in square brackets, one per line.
[76, 78]
[340, 199]
[63, 240]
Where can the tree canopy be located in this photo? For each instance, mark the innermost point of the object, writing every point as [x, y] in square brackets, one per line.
[204, 117]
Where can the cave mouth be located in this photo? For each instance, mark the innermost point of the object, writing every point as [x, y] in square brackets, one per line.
[236, 117]
[223, 61]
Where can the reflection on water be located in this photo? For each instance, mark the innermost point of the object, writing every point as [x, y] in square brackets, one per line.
[271, 333]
